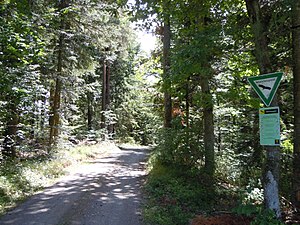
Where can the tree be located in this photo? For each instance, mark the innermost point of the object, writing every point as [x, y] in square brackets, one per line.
[262, 54]
[19, 50]
[197, 41]
[56, 86]
[162, 9]
[296, 74]
[166, 64]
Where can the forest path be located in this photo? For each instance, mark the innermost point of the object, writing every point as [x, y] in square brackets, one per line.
[104, 191]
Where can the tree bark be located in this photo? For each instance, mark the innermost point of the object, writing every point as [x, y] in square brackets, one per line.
[108, 97]
[166, 68]
[271, 170]
[54, 111]
[208, 120]
[107, 94]
[55, 98]
[259, 30]
[104, 91]
[89, 110]
[42, 116]
[9, 144]
[296, 74]
[187, 102]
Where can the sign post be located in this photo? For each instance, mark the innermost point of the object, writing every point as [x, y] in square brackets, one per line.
[269, 123]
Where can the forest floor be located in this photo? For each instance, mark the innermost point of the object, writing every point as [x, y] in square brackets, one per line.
[233, 219]
[224, 219]
[102, 191]
[178, 196]
[106, 189]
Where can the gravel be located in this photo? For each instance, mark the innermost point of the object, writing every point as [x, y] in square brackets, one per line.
[105, 191]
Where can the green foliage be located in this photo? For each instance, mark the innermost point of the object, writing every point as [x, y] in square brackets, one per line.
[261, 216]
[252, 205]
[182, 147]
[247, 209]
[37, 38]
[228, 166]
[22, 178]
[210, 39]
[286, 168]
[266, 217]
[172, 198]
[137, 120]
[175, 194]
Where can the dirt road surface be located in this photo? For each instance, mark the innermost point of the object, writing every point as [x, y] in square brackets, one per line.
[105, 191]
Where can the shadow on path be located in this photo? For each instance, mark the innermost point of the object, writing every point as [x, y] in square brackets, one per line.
[105, 191]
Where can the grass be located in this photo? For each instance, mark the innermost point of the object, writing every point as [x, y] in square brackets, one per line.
[20, 179]
[175, 195]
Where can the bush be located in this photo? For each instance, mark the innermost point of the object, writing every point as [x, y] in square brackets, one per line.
[180, 147]
[176, 194]
[22, 178]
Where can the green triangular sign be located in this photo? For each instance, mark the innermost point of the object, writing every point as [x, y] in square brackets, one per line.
[266, 86]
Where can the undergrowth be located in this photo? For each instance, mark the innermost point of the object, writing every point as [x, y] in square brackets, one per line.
[24, 177]
[175, 195]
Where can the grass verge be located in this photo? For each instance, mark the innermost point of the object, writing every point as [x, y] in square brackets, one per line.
[20, 179]
[175, 195]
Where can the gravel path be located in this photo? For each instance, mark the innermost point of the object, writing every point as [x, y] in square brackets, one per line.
[105, 191]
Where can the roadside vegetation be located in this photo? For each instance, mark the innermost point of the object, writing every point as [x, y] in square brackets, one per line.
[73, 70]
[175, 195]
[180, 195]
[22, 178]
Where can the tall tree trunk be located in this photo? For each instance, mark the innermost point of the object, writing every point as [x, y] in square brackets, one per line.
[107, 94]
[104, 86]
[208, 120]
[187, 102]
[9, 145]
[296, 73]
[54, 111]
[108, 97]
[166, 67]
[89, 110]
[55, 99]
[42, 116]
[56, 95]
[271, 170]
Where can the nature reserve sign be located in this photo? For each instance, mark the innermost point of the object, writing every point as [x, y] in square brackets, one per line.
[269, 125]
[266, 86]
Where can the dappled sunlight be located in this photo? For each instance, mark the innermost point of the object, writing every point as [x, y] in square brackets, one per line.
[103, 188]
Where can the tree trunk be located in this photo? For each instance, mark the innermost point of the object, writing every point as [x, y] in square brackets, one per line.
[107, 94]
[108, 97]
[9, 144]
[42, 118]
[259, 30]
[208, 126]
[271, 170]
[55, 96]
[54, 111]
[55, 99]
[296, 73]
[187, 102]
[104, 104]
[89, 110]
[166, 68]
